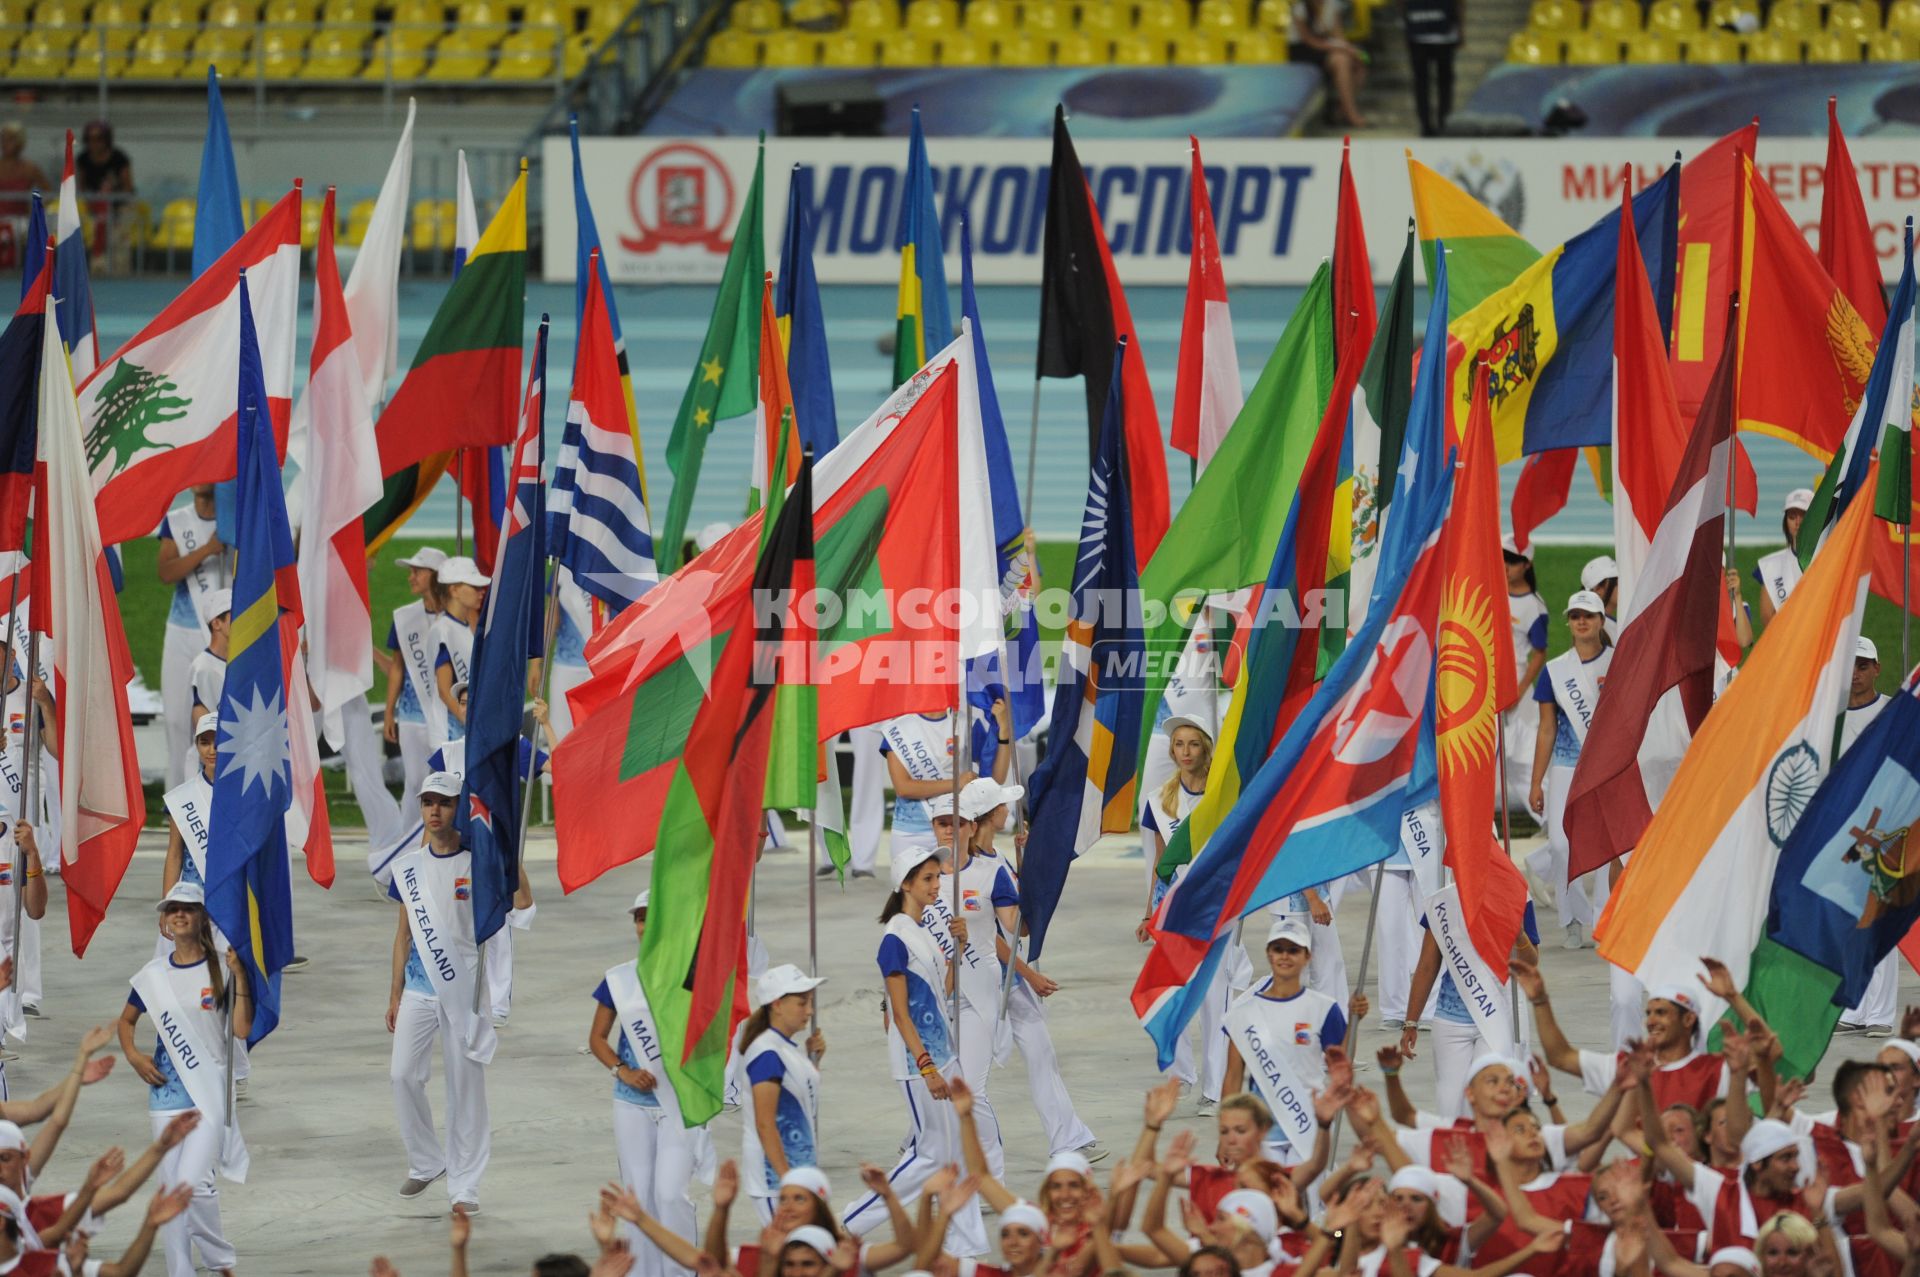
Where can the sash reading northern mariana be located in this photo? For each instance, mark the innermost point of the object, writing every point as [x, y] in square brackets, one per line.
[1280, 1085]
[413, 626]
[429, 888]
[636, 1022]
[194, 1031]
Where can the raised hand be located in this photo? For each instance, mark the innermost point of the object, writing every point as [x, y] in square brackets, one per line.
[1389, 1057]
[874, 1178]
[1394, 1230]
[382, 1266]
[1327, 1104]
[1719, 980]
[1128, 1174]
[619, 1201]
[1910, 1023]
[1531, 982]
[1286, 1200]
[1365, 1107]
[95, 1070]
[772, 1238]
[601, 1224]
[1787, 1098]
[1161, 1101]
[1736, 1050]
[1339, 1067]
[1499, 1145]
[1537, 1072]
[1179, 1157]
[943, 1180]
[1460, 1159]
[956, 1090]
[613, 1263]
[726, 1183]
[1813, 1198]
[168, 1204]
[111, 1163]
[845, 1257]
[95, 1040]
[955, 1199]
[178, 1129]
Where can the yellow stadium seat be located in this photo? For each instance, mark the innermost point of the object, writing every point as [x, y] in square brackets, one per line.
[1673, 17]
[1078, 49]
[284, 12]
[40, 56]
[730, 48]
[815, 15]
[790, 49]
[218, 41]
[423, 226]
[547, 13]
[419, 13]
[907, 49]
[480, 13]
[527, 56]
[1223, 17]
[1592, 49]
[412, 38]
[231, 13]
[281, 50]
[1834, 47]
[394, 55]
[1743, 15]
[605, 17]
[1274, 15]
[965, 49]
[346, 12]
[756, 15]
[1553, 15]
[1198, 49]
[60, 24]
[1619, 18]
[873, 16]
[359, 218]
[1139, 50]
[14, 13]
[1021, 49]
[174, 229]
[1259, 46]
[1904, 15]
[848, 49]
[1890, 46]
[90, 62]
[1713, 48]
[988, 15]
[173, 13]
[1533, 49]
[1164, 18]
[1771, 48]
[310, 218]
[463, 55]
[1652, 47]
[932, 15]
[156, 55]
[336, 53]
[1789, 18]
[1850, 15]
[580, 47]
[1046, 17]
[1104, 18]
[115, 21]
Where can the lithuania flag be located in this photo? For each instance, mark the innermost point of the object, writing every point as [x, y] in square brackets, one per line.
[463, 390]
[1484, 253]
[923, 323]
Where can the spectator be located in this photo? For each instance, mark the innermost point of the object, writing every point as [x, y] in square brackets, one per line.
[1318, 38]
[18, 174]
[1433, 37]
[102, 169]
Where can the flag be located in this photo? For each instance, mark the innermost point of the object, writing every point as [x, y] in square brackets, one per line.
[1488, 255]
[886, 510]
[510, 632]
[479, 473]
[1207, 392]
[1083, 314]
[1375, 427]
[339, 481]
[1473, 678]
[803, 328]
[466, 217]
[249, 890]
[19, 407]
[1354, 319]
[218, 222]
[1708, 269]
[461, 389]
[722, 385]
[923, 325]
[586, 243]
[693, 964]
[159, 413]
[605, 538]
[1846, 249]
[1084, 787]
[1886, 409]
[39, 239]
[372, 290]
[1540, 490]
[1701, 875]
[798, 765]
[1672, 595]
[776, 447]
[71, 285]
[1893, 498]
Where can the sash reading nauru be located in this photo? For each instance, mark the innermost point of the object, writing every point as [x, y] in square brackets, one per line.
[1286, 1094]
[195, 1035]
[636, 1022]
[1486, 997]
[425, 883]
[413, 625]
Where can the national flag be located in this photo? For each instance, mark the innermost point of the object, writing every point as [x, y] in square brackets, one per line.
[340, 480]
[1354, 319]
[1886, 408]
[776, 440]
[1473, 679]
[34, 252]
[586, 243]
[1708, 269]
[886, 516]
[218, 222]
[722, 386]
[466, 215]
[1488, 254]
[693, 964]
[798, 764]
[1846, 248]
[1893, 498]
[249, 890]
[372, 290]
[1206, 393]
[71, 285]
[19, 407]
[101, 803]
[461, 389]
[159, 413]
[1375, 427]
[1701, 875]
[923, 324]
[803, 327]
[1540, 490]
[509, 634]
[479, 474]
[1084, 787]
[1083, 314]
[597, 508]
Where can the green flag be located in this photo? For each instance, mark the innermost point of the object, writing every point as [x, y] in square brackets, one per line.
[1794, 995]
[725, 383]
[1376, 427]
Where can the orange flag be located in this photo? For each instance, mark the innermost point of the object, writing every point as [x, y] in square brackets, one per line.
[776, 406]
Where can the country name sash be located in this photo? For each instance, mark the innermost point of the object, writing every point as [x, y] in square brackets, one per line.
[1286, 1094]
[190, 803]
[1486, 997]
[636, 1023]
[190, 532]
[448, 953]
[195, 1033]
[1576, 687]
[412, 625]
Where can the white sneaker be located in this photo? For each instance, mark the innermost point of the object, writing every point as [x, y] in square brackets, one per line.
[1573, 939]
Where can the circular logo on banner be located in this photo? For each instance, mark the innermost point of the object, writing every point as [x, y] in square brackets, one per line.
[679, 194]
[1791, 780]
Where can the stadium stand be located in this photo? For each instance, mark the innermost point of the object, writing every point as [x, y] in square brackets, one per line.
[1785, 32]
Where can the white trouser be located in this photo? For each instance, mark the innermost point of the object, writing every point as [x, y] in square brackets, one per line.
[1454, 1048]
[193, 1161]
[1398, 937]
[656, 1162]
[869, 812]
[976, 1044]
[560, 710]
[182, 644]
[469, 1136]
[363, 752]
[1880, 1003]
[499, 959]
[1520, 726]
[933, 1141]
[1212, 1070]
[415, 746]
[1549, 862]
[1626, 998]
[1027, 1015]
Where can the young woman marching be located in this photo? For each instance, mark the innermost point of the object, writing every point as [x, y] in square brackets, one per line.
[658, 1154]
[1519, 719]
[415, 717]
[1568, 693]
[191, 560]
[196, 1007]
[781, 1133]
[465, 586]
[1779, 572]
[919, 982]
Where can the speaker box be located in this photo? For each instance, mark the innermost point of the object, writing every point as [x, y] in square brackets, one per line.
[847, 107]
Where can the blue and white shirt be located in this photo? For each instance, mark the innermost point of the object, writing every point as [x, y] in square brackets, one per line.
[924, 745]
[1572, 685]
[188, 532]
[171, 1095]
[624, 1050]
[406, 708]
[777, 1058]
[910, 951]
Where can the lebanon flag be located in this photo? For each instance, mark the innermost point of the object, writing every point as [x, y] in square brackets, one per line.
[101, 804]
[158, 416]
[1206, 390]
[886, 518]
[340, 480]
[1701, 876]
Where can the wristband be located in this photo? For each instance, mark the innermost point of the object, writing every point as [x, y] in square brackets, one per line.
[1154, 1127]
[1389, 1072]
[1006, 740]
[1550, 1100]
[1539, 1001]
[33, 873]
[1323, 1125]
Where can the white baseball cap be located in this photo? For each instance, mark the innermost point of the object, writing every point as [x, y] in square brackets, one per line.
[639, 902]
[907, 859]
[1864, 650]
[811, 1178]
[778, 982]
[1598, 570]
[1071, 1160]
[183, 893]
[1024, 1214]
[1486, 1061]
[209, 722]
[1291, 926]
[814, 1237]
[1765, 1138]
[461, 570]
[1510, 546]
[1799, 499]
[427, 556]
[445, 784]
[982, 794]
[1586, 601]
[216, 603]
[12, 1138]
[1735, 1257]
[941, 804]
[459, 688]
[1184, 720]
[1415, 1179]
[1255, 1210]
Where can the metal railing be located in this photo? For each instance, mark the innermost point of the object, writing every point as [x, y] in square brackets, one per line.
[648, 46]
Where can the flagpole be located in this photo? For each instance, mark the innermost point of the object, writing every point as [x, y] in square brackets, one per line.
[958, 753]
[1506, 843]
[29, 758]
[813, 904]
[19, 856]
[1033, 444]
[550, 626]
[1906, 594]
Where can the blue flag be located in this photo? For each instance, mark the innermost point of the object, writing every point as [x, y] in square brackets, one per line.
[35, 254]
[218, 222]
[796, 307]
[249, 889]
[510, 633]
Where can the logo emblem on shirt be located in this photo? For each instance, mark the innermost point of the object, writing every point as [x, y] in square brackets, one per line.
[462, 888]
[206, 999]
[970, 901]
[1303, 1035]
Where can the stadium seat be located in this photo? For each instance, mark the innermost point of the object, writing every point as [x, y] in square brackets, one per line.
[815, 15]
[40, 55]
[547, 13]
[756, 15]
[1222, 17]
[1904, 15]
[285, 12]
[1021, 49]
[226, 13]
[175, 227]
[397, 54]
[346, 12]
[1139, 50]
[310, 216]
[932, 15]
[848, 49]
[156, 55]
[1274, 15]
[1890, 46]
[1592, 49]
[417, 23]
[580, 48]
[1743, 15]
[1104, 18]
[965, 49]
[1259, 46]
[1617, 18]
[1793, 19]
[1713, 48]
[988, 15]
[281, 51]
[336, 53]
[1046, 17]
[423, 226]
[1198, 49]
[1651, 47]
[528, 56]
[218, 41]
[874, 16]
[463, 55]
[1674, 17]
[1849, 15]
[359, 219]
[480, 13]
[1771, 48]
[605, 16]
[907, 49]
[730, 48]
[1834, 47]
[1558, 16]
[90, 62]
[173, 13]
[60, 23]
[1533, 49]
[1079, 49]
[1164, 18]
[790, 49]
[115, 21]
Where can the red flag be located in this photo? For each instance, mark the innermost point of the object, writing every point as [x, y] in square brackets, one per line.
[1541, 490]
[1206, 393]
[1706, 277]
[1846, 237]
[1354, 315]
[1473, 678]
